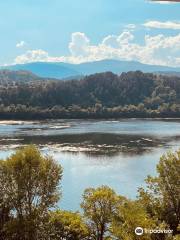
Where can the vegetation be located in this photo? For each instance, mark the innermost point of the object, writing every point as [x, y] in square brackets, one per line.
[9, 78]
[162, 197]
[130, 215]
[66, 225]
[104, 95]
[100, 206]
[29, 186]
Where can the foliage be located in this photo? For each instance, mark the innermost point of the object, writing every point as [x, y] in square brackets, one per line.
[103, 95]
[177, 237]
[29, 185]
[130, 215]
[99, 206]
[162, 197]
[64, 225]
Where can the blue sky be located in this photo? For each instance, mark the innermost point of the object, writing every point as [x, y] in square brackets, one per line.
[43, 29]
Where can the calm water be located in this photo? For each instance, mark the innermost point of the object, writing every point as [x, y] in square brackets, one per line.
[93, 153]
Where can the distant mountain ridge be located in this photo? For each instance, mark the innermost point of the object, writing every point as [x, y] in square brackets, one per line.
[60, 70]
[45, 70]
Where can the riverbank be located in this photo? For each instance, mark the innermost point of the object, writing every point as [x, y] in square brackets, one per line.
[30, 113]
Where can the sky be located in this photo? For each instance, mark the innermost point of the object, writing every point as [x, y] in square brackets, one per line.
[78, 31]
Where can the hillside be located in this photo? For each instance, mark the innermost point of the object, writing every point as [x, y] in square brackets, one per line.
[69, 71]
[8, 77]
[103, 95]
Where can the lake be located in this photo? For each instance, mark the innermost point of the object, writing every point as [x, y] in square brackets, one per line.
[117, 153]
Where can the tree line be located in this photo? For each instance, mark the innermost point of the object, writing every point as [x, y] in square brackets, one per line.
[103, 95]
[30, 187]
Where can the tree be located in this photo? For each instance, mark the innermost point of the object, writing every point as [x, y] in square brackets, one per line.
[130, 215]
[4, 212]
[162, 196]
[177, 237]
[64, 225]
[99, 206]
[29, 181]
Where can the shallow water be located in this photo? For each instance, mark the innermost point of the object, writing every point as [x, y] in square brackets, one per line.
[93, 153]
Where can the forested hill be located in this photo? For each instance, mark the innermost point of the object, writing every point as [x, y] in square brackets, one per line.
[10, 77]
[104, 95]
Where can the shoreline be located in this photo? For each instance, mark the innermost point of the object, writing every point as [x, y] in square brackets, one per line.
[13, 120]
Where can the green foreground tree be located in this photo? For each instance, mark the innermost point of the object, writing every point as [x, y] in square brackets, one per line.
[130, 215]
[29, 186]
[99, 206]
[65, 225]
[162, 195]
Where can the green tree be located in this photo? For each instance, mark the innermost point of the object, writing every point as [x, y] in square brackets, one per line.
[99, 206]
[177, 237]
[29, 181]
[64, 225]
[131, 214]
[4, 212]
[162, 196]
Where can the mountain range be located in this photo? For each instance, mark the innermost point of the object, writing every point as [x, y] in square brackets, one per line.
[60, 70]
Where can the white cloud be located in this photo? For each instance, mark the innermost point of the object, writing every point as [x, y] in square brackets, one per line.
[79, 44]
[159, 50]
[32, 56]
[125, 37]
[21, 44]
[131, 27]
[163, 25]
[111, 41]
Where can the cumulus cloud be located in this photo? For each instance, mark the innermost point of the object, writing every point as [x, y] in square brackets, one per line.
[111, 41]
[117, 41]
[159, 50]
[32, 56]
[163, 25]
[21, 44]
[79, 44]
